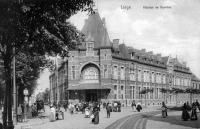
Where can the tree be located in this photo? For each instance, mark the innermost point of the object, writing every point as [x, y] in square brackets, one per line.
[28, 69]
[37, 27]
[192, 91]
[145, 92]
[164, 91]
[176, 91]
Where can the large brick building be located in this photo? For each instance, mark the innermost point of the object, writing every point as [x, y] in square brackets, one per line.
[100, 69]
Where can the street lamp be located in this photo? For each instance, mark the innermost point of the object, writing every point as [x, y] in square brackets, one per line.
[26, 100]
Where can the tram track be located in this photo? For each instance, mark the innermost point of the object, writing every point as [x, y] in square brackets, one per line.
[135, 121]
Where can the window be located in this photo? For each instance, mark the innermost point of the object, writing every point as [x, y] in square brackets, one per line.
[122, 96]
[115, 72]
[139, 75]
[122, 87]
[90, 47]
[115, 96]
[140, 95]
[73, 72]
[132, 55]
[148, 76]
[115, 92]
[115, 87]
[132, 76]
[132, 92]
[72, 58]
[152, 77]
[164, 79]
[90, 73]
[122, 73]
[105, 72]
[145, 76]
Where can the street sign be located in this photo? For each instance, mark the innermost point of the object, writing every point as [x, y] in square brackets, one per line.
[25, 91]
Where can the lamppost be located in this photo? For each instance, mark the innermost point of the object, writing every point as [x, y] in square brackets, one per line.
[25, 100]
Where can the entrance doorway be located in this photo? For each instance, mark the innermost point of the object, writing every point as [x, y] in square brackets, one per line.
[91, 95]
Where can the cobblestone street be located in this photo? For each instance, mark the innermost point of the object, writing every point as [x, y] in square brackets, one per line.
[77, 121]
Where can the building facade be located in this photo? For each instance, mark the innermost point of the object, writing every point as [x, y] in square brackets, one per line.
[195, 85]
[103, 70]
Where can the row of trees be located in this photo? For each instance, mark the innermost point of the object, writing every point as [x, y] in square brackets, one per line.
[175, 91]
[44, 96]
[30, 30]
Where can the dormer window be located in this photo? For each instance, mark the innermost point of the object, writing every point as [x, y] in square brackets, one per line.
[90, 48]
[132, 55]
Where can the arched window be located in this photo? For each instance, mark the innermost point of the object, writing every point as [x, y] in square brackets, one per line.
[90, 73]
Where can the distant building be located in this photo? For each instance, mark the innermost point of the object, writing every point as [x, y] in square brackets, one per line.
[103, 70]
[195, 85]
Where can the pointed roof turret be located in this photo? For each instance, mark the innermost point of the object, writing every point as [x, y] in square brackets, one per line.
[94, 28]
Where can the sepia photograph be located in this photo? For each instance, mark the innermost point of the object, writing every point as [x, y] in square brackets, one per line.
[99, 64]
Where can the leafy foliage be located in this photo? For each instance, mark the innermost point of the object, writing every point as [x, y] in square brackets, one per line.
[145, 91]
[192, 91]
[35, 28]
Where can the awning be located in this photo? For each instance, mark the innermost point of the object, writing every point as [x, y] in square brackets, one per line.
[87, 87]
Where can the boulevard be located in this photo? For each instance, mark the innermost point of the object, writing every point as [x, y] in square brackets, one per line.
[148, 118]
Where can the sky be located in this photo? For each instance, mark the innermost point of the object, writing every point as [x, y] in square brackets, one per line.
[169, 27]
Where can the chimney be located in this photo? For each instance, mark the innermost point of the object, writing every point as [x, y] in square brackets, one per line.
[115, 43]
[104, 21]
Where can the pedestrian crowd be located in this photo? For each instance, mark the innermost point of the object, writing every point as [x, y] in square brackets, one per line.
[189, 111]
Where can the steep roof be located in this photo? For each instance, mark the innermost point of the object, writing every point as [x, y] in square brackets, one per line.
[195, 78]
[95, 30]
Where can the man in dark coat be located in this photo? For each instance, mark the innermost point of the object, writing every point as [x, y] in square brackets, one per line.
[108, 109]
[194, 112]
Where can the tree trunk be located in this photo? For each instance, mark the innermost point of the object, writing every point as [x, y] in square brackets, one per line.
[7, 68]
[5, 109]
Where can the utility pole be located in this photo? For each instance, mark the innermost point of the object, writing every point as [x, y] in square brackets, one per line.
[57, 86]
[14, 92]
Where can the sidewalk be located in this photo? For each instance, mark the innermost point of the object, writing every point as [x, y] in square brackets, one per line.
[173, 121]
[77, 121]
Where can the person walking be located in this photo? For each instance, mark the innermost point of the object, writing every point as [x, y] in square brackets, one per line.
[197, 104]
[164, 110]
[95, 120]
[133, 105]
[185, 115]
[194, 112]
[52, 116]
[108, 109]
[71, 108]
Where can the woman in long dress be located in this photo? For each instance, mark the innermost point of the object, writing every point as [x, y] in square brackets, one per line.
[52, 113]
[185, 114]
[96, 116]
[164, 110]
[133, 105]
